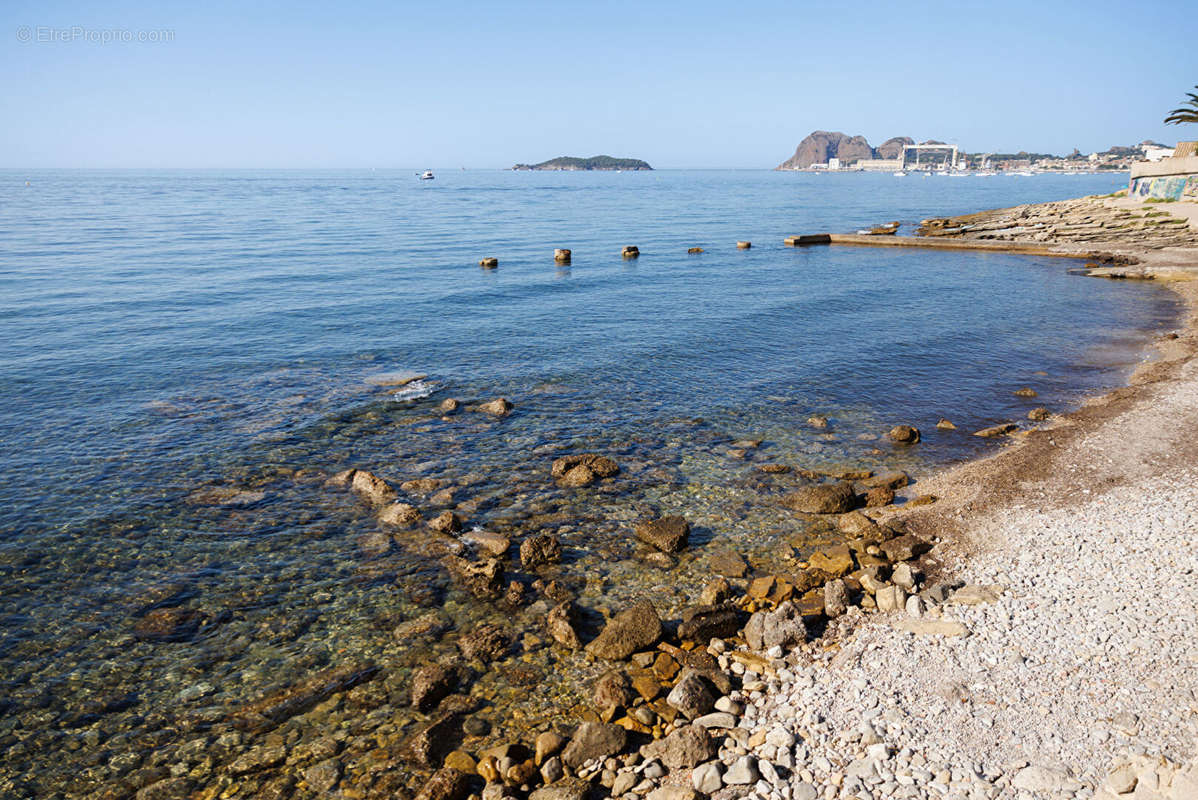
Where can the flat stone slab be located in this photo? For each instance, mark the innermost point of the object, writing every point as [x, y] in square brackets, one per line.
[931, 627]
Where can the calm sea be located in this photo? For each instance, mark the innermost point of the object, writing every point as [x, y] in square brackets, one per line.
[185, 357]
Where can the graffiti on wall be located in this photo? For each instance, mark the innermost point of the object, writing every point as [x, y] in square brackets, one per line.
[1173, 187]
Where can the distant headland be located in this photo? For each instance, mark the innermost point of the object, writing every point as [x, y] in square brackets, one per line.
[594, 162]
[833, 150]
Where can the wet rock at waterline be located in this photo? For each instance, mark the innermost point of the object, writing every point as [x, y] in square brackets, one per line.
[499, 407]
[704, 623]
[593, 740]
[634, 628]
[372, 487]
[903, 434]
[1039, 414]
[667, 534]
[995, 431]
[446, 522]
[729, 563]
[828, 498]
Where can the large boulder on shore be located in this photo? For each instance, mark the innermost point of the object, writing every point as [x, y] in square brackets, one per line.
[704, 623]
[593, 740]
[667, 534]
[824, 498]
[685, 748]
[783, 627]
[635, 628]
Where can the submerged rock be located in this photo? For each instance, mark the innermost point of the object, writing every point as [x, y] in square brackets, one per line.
[828, 498]
[667, 534]
[728, 563]
[996, 430]
[278, 706]
[540, 550]
[562, 624]
[401, 515]
[483, 579]
[446, 522]
[634, 628]
[485, 643]
[431, 684]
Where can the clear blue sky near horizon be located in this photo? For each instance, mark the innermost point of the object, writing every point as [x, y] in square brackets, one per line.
[696, 84]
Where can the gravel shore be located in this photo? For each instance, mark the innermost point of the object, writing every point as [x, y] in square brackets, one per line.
[1072, 670]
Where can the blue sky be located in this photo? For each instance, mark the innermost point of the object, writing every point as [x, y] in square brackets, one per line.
[694, 84]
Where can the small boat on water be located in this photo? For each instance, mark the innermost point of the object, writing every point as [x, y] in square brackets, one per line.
[900, 174]
[427, 175]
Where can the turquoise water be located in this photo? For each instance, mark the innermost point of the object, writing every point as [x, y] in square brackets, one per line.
[169, 336]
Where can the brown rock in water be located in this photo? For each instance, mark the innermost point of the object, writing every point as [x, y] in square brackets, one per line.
[668, 534]
[431, 684]
[420, 485]
[835, 498]
[429, 746]
[598, 466]
[1038, 414]
[879, 496]
[401, 515]
[996, 430]
[612, 690]
[483, 579]
[743, 245]
[372, 487]
[579, 476]
[168, 625]
[835, 561]
[635, 628]
[485, 643]
[446, 783]
[593, 740]
[903, 434]
[562, 624]
[774, 469]
[341, 479]
[703, 623]
[728, 563]
[818, 421]
[539, 550]
[281, 705]
[488, 263]
[562, 255]
[694, 250]
[499, 407]
[945, 425]
[1026, 391]
[449, 405]
[548, 744]
[715, 592]
[631, 251]
[446, 522]
[494, 543]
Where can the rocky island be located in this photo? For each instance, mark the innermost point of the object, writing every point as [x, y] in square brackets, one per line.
[574, 164]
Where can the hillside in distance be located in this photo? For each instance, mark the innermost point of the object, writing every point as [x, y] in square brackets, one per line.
[571, 163]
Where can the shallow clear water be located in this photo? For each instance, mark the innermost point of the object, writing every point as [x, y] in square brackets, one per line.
[163, 334]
